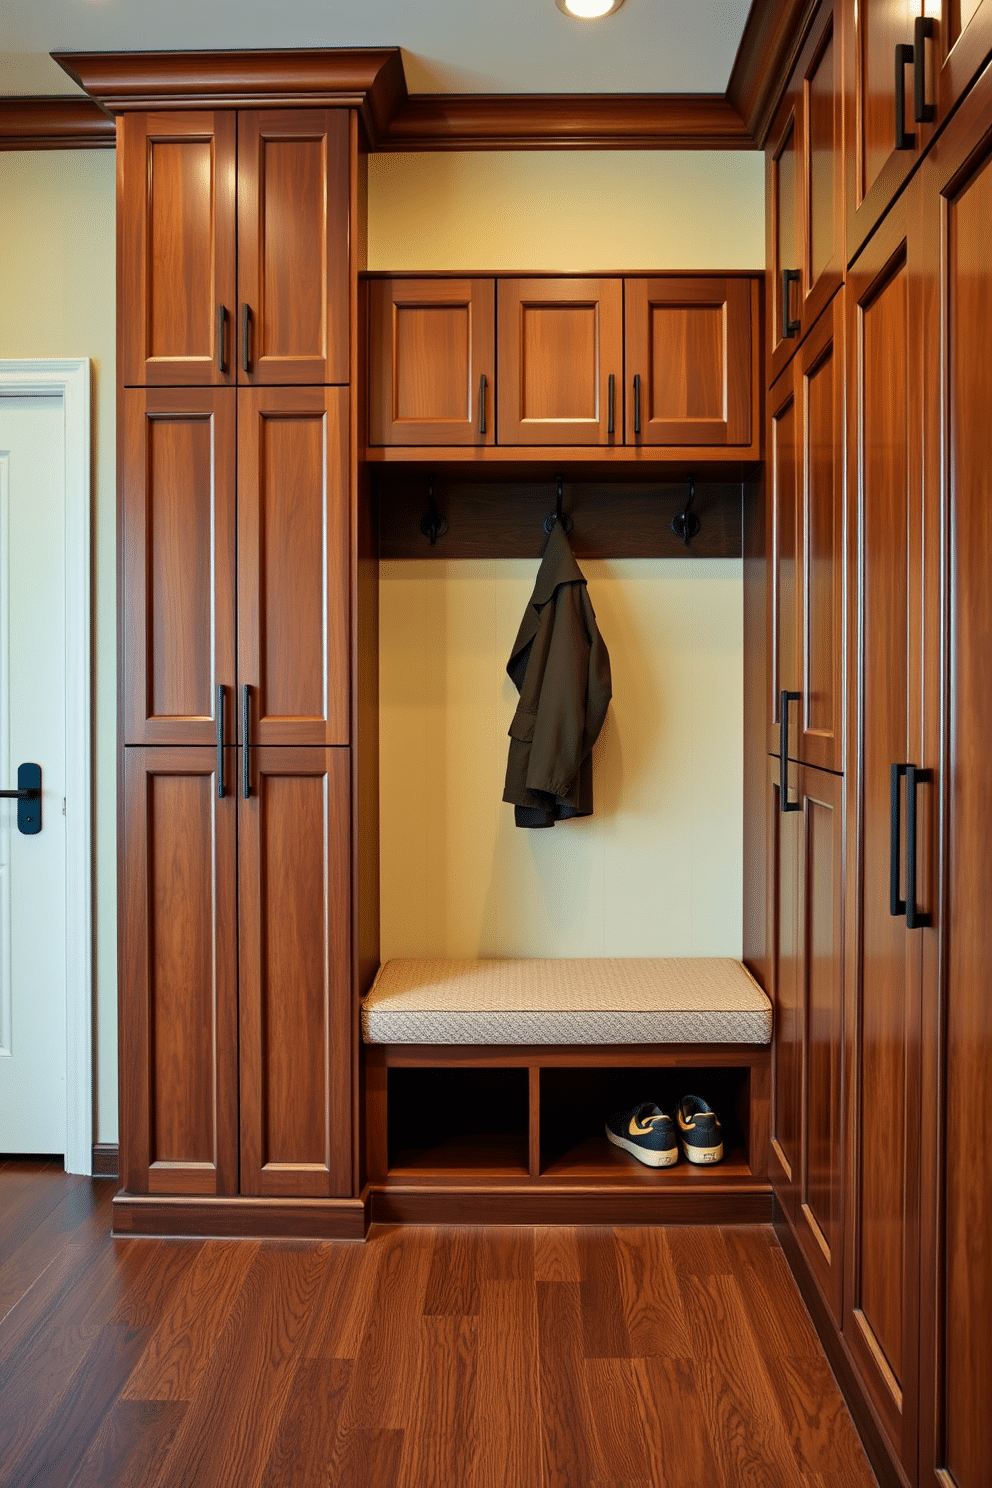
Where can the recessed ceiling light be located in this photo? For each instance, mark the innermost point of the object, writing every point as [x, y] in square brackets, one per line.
[588, 10]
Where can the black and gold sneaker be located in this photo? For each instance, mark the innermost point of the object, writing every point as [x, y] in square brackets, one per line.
[646, 1133]
[700, 1132]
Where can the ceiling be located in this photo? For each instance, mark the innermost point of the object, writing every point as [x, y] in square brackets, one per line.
[449, 46]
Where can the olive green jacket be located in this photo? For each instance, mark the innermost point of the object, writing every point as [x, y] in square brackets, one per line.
[561, 669]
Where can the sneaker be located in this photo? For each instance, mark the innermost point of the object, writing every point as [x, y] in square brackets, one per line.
[700, 1132]
[646, 1133]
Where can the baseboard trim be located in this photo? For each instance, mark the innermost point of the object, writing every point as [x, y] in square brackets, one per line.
[424, 1205]
[883, 1464]
[106, 1160]
[240, 1218]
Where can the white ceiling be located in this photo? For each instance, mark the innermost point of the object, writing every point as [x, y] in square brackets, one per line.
[449, 46]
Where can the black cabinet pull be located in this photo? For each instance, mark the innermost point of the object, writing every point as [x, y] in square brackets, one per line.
[220, 742]
[482, 404]
[783, 746]
[611, 403]
[28, 798]
[915, 918]
[637, 403]
[246, 732]
[221, 338]
[897, 906]
[789, 326]
[923, 112]
[245, 334]
[905, 139]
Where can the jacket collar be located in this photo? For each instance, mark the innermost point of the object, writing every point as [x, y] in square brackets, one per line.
[557, 567]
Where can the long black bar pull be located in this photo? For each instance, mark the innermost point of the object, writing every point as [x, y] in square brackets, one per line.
[783, 746]
[916, 919]
[637, 403]
[28, 798]
[897, 906]
[220, 742]
[245, 333]
[611, 406]
[482, 404]
[905, 138]
[923, 112]
[221, 338]
[789, 326]
[246, 731]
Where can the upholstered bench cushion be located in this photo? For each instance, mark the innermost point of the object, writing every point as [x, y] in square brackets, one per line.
[640, 1000]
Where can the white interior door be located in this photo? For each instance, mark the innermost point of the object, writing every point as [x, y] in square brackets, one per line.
[33, 728]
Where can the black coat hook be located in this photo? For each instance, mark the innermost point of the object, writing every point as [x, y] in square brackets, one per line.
[432, 524]
[558, 515]
[685, 524]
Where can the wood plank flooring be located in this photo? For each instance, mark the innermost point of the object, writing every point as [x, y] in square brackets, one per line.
[425, 1358]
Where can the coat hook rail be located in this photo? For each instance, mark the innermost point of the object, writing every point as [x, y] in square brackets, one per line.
[685, 524]
[558, 515]
[432, 523]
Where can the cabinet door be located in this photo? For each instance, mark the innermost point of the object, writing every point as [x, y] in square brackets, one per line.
[688, 355]
[293, 565]
[293, 245]
[959, 47]
[956, 1294]
[179, 1000]
[176, 264]
[178, 500]
[784, 546]
[432, 355]
[560, 344]
[297, 1028]
[783, 229]
[822, 227]
[785, 939]
[883, 1055]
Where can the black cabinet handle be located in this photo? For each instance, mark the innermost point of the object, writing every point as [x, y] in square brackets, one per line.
[915, 918]
[482, 404]
[897, 906]
[785, 699]
[789, 326]
[245, 334]
[28, 798]
[637, 403]
[611, 403]
[221, 338]
[220, 743]
[246, 733]
[923, 112]
[905, 140]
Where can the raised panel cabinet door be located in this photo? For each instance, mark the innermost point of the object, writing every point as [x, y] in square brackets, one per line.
[293, 246]
[957, 49]
[560, 349]
[784, 546]
[179, 998]
[688, 344]
[179, 546]
[784, 183]
[786, 956]
[297, 1030]
[822, 229]
[882, 1289]
[176, 264]
[432, 353]
[293, 566]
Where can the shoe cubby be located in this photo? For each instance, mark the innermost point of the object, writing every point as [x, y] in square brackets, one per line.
[451, 1121]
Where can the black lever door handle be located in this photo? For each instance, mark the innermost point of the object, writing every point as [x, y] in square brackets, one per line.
[789, 326]
[897, 906]
[220, 742]
[28, 798]
[905, 139]
[783, 745]
[923, 112]
[915, 919]
[246, 731]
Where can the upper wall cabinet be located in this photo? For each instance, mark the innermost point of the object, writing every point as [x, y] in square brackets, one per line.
[234, 247]
[688, 346]
[804, 173]
[432, 351]
[560, 360]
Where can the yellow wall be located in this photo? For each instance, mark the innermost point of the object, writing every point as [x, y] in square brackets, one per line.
[57, 296]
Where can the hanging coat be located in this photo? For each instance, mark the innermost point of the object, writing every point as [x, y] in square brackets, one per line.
[561, 669]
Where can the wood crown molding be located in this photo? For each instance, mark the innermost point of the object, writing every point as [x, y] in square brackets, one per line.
[773, 36]
[371, 80]
[58, 123]
[583, 121]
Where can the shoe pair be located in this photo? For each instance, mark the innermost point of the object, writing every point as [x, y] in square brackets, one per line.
[648, 1134]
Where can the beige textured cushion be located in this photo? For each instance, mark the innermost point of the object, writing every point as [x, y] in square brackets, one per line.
[640, 1000]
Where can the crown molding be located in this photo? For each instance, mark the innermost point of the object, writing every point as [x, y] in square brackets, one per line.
[774, 33]
[58, 123]
[581, 121]
[370, 79]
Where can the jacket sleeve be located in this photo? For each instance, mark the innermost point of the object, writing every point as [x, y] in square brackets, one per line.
[600, 682]
[559, 741]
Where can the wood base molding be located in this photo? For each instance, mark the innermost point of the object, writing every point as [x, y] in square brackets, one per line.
[106, 1160]
[239, 1218]
[54, 124]
[744, 1203]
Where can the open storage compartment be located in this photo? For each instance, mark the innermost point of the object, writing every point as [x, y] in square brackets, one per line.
[446, 1122]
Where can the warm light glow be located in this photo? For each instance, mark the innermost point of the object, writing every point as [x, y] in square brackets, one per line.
[588, 10]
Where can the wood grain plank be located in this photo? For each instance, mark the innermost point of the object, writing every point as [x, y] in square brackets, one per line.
[344, 1268]
[652, 1301]
[367, 1459]
[570, 1446]
[131, 1443]
[441, 1437]
[304, 1444]
[385, 1374]
[507, 1412]
[465, 1257]
[604, 1327]
[617, 1421]
[680, 1447]
[27, 1257]
[556, 1253]
[165, 1267]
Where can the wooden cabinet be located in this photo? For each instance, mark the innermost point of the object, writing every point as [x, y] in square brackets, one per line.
[432, 356]
[804, 175]
[560, 348]
[806, 546]
[688, 361]
[956, 50]
[234, 247]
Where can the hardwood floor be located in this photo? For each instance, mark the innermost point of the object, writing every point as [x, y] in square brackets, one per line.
[425, 1358]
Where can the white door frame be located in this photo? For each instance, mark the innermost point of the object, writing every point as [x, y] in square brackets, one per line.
[69, 378]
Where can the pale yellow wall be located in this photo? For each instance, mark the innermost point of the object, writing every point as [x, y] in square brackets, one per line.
[57, 298]
[567, 209]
